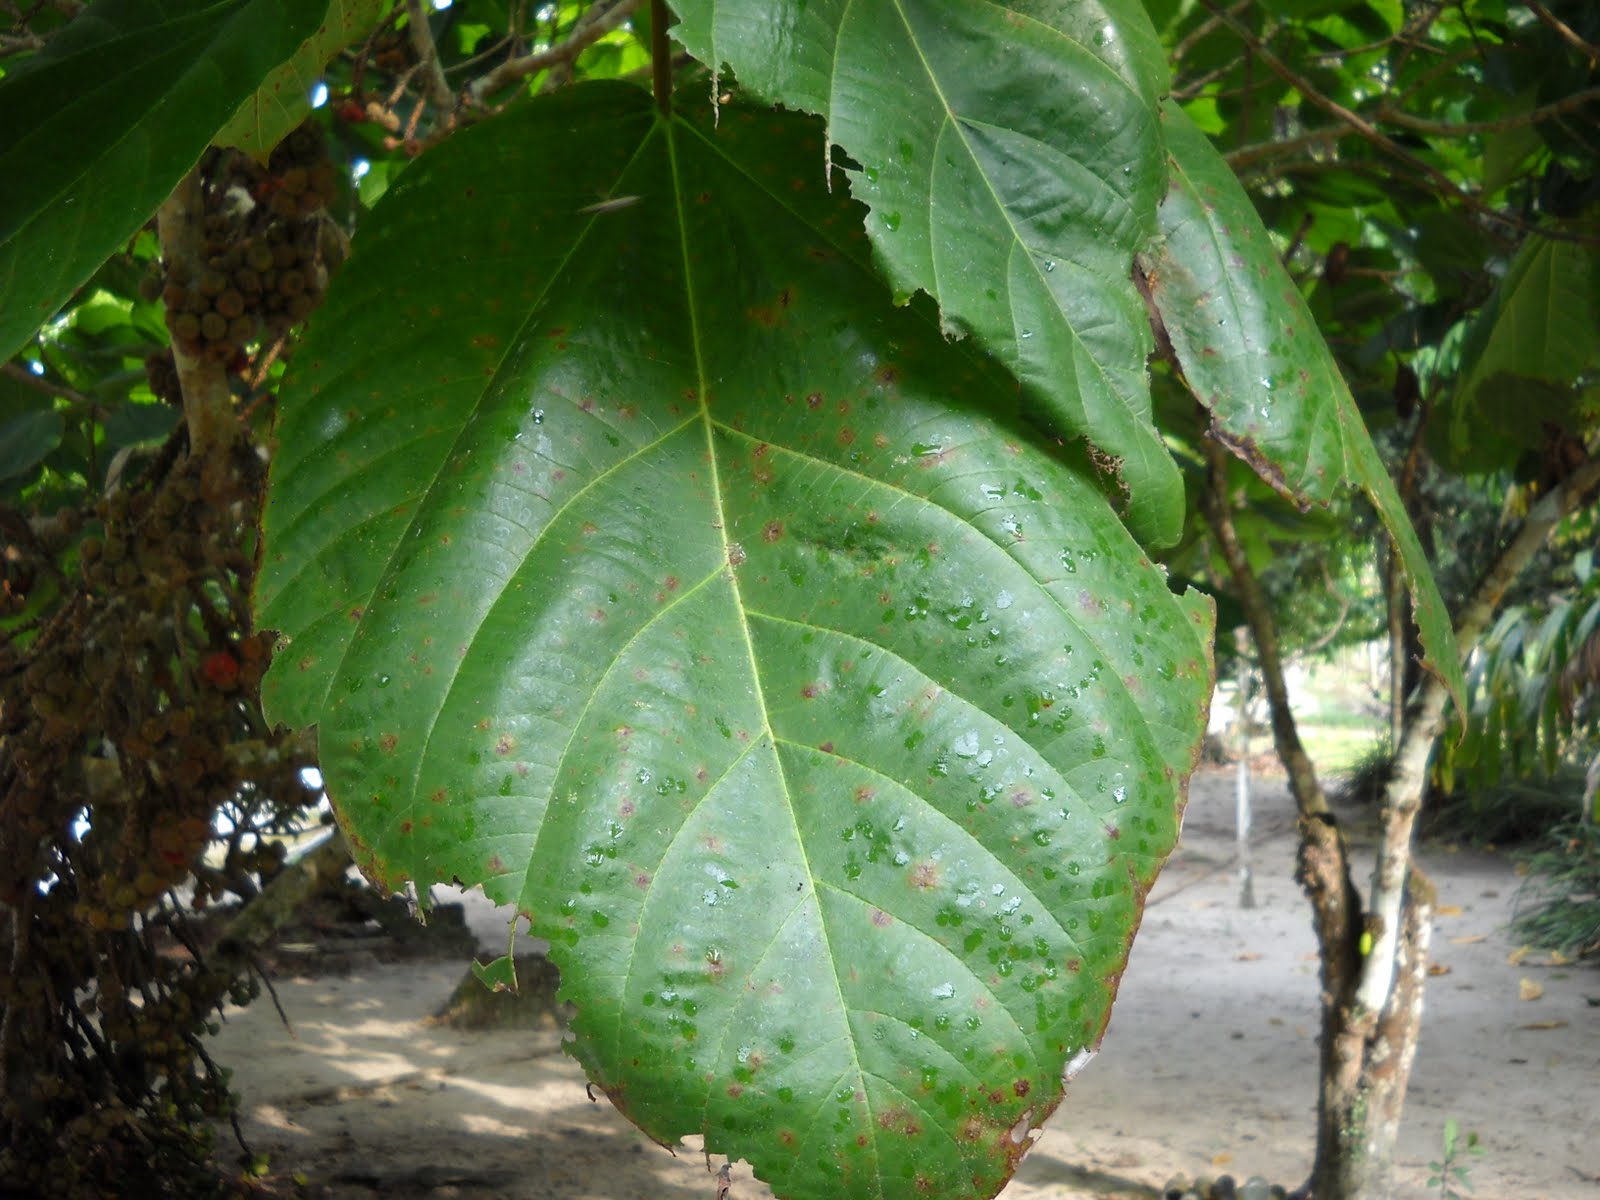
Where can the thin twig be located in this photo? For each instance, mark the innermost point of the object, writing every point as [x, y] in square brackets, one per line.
[40, 384]
[19, 44]
[1565, 32]
[588, 30]
[1555, 108]
[1199, 33]
[1370, 133]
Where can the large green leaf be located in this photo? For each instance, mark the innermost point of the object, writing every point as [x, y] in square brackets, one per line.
[1010, 158]
[97, 130]
[1249, 348]
[1524, 356]
[1251, 354]
[643, 563]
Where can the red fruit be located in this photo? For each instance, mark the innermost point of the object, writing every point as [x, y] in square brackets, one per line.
[221, 668]
[352, 112]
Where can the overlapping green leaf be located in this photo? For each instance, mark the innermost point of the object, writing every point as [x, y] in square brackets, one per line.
[643, 563]
[1524, 356]
[1010, 158]
[284, 97]
[1251, 354]
[97, 130]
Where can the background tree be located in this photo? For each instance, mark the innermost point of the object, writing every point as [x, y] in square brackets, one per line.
[1390, 146]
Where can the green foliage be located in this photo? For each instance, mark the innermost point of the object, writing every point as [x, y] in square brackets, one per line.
[1532, 689]
[1011, 167]
[1560, 908]
[137, 88]
[1526, 357]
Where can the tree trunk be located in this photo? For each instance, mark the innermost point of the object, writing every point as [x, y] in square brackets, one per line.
[1374, 962]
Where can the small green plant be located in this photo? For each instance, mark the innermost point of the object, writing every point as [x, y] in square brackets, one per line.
[1448, 1177]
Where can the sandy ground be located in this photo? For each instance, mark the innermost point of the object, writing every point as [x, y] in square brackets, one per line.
[1209, 1065]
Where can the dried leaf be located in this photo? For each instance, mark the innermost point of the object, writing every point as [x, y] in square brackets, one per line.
[1527, 989]
[1544, 1025]
[1469, 939]
[1448, 910]
[1221, 1160]
[1516, 956]
[1438, 969]
[1247, 956]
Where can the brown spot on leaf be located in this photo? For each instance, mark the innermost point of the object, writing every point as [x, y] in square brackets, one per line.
[810, 691]
[847, 436]
[405, 826]
[813, 400]
[864, 794]
[1021, 1087]
[496, 865]
[439, 795]
[505, 744]
[772, 531]
[388, 741]
[925, 876]
[485, 341]
[881, 919]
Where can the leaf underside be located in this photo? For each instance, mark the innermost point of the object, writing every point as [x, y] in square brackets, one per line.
[1011, 163]
[1252, 355]
[98, 129]
[646, 565]
[284, 98]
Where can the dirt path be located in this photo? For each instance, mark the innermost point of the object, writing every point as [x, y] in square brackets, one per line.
[1209, 1065]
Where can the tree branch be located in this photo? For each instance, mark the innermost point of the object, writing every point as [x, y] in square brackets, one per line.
[435, 86]
[1218, 510]
[588, 29]
[207, 399]
[1403, 795]
[279, 900]
[1555, 108]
